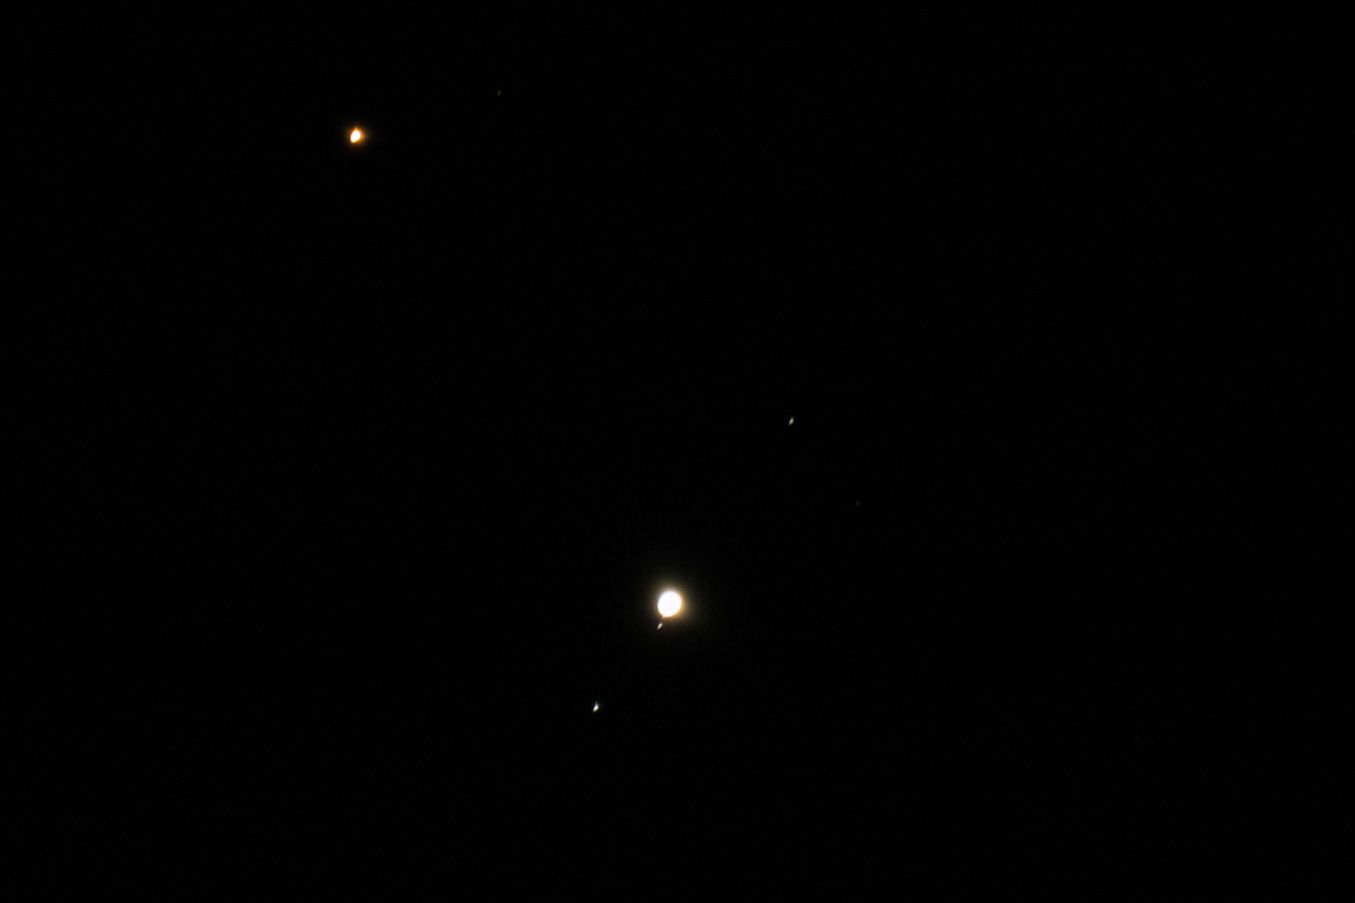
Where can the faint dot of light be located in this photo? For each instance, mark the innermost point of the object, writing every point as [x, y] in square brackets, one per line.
[790, 422]
[670, 603]
[357, 136]
[596, 707]
[499, 93]
[660, 627]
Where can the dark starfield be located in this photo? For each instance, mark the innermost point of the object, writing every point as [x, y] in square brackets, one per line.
[881, 343]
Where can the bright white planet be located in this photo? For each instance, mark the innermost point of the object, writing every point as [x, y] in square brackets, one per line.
[670, 603]
[356, 136]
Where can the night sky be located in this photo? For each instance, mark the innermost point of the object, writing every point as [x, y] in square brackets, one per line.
[894, 347]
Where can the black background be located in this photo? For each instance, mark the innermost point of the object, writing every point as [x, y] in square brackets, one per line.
[365, 465]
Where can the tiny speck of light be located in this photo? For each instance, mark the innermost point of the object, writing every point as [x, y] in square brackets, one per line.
[670, 603]
[596, 706]
[357, 136]
[790, 422]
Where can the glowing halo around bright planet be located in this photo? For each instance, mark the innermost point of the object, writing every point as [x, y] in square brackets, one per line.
[670, 604]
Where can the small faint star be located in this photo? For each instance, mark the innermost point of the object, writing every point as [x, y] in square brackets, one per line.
[596, 706]
[790, 422]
